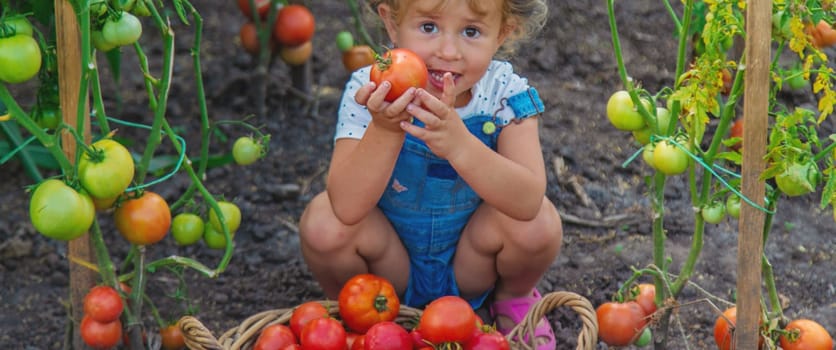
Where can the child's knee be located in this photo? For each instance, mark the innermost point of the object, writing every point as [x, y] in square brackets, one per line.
[318, 228]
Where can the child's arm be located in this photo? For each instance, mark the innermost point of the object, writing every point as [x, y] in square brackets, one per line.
[360, 168]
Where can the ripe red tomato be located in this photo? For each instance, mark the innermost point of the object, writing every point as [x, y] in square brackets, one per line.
[20, 58]
[620, 323]
[60, 212]
[387, 335]
[736, 131]
[249, 38]
[100, 335]
[358, 57]
[262, 6]
[304, 313]
[324, 333]
[365, 300]
[296, 55]
[172, 337]
[448, 319]
[295, 25]
[723, 328]
[103, 304]
[803, 334]
[401, 68]
[108, 171]
[646, 297]
[822, 34]
[489, 339]
[276, 336]
[359, 342]
[144, 220]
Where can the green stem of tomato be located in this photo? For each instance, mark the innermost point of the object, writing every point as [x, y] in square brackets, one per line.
[134, 326]
[12, 132]
[187, 262]
[768, 274]
[682, 48]
[98, 101]
[49, 142]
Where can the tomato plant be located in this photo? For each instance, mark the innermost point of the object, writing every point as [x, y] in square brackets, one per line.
[401, 68]
[103, 304]
[187, 228]
[669, 158]
[172, 337]
[275, 336]
[803, 334]
[324, 333]
[121, 30]
[246, 150]
[304, 313]
[20, 58]
[622, 113]
[143, 220]
[107, 170]
[100, 335]
[365, 300]
[58, 211]
[387, 335]
[448, 319]
[294, 26]
[358, 57]
[620, 323]
[231, 214]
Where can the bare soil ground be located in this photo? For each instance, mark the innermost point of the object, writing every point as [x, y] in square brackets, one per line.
[572, 65]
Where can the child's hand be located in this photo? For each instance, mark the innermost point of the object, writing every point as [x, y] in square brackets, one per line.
[443, 129]
[384, 114]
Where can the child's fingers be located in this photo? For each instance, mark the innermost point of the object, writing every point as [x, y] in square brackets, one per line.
[435, 106]
[448, 96]
[363, 93]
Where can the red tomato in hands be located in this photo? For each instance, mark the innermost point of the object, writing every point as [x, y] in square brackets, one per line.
[103, 304]
[275, 337]
[294, 25]
[806, 335]
[323, 333]
[365, 300]
[305, 313]
[387, 335]
[620, 323]
[144, 220]
[100, 335]
[448, 319]
[401, 68]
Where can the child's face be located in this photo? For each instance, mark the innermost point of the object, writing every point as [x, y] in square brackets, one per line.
[451, 37]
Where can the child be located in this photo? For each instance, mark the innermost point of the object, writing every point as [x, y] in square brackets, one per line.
[452, 201]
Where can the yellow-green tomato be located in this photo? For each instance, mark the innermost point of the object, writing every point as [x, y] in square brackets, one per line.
[232, 216]
[122, 31]
[19, 25]
[663, 121]
[187, 228]
[798, 179]
[58, 211]
[714, 212]
[107, 172]
[20, 58]
[669, 158]
[647, 154]
[733, 206]
[99, 41]
[214, 239]
[246, 151]
[622, 112]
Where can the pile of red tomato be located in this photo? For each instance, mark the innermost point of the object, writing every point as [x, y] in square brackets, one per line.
[621, 323]
[368, 307]
[291, 33]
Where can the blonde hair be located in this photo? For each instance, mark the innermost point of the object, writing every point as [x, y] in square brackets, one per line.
[524, 17]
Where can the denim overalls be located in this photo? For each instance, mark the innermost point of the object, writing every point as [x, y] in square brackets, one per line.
[429, 205]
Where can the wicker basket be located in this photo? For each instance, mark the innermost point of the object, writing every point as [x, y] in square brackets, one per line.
[243, 336]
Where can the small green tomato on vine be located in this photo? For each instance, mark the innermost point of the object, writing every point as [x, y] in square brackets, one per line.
[246, 150]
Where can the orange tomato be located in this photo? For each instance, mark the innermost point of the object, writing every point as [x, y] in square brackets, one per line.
[144, 220]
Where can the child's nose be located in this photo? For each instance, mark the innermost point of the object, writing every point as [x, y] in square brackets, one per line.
[449, 48]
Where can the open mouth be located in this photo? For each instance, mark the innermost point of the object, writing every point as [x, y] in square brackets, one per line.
[437, 78]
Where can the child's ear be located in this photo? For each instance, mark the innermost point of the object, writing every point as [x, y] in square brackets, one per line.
[507, 31]
[388, 18]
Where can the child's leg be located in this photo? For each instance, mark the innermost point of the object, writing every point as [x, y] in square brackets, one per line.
[334, 252]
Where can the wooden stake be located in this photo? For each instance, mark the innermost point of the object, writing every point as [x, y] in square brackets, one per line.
[69, 72]
[755, 111]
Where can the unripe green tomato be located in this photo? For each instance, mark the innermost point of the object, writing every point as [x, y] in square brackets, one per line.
[214, 239]
[232, 217]
[714, 212]
[122, 31]
[345, 41]
[187, 228]
[58, 211]
[798, 179]
[19, 24]
[733, 206]
[622, 112]
[645, 338]
[246, 151]
[663, 121]
[99, 41]
[20, 58]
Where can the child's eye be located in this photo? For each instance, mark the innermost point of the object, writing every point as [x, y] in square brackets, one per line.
[429, 27]
[471, 32]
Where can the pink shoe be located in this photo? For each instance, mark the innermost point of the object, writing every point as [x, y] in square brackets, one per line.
[515, 309]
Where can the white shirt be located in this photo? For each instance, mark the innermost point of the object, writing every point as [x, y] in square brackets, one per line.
[498, 83]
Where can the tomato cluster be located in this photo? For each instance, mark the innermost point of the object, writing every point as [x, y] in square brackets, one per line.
[354, 56]
[189, 228]
[291, 34]
[100, 327]
[621, 323]
[368, 307]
